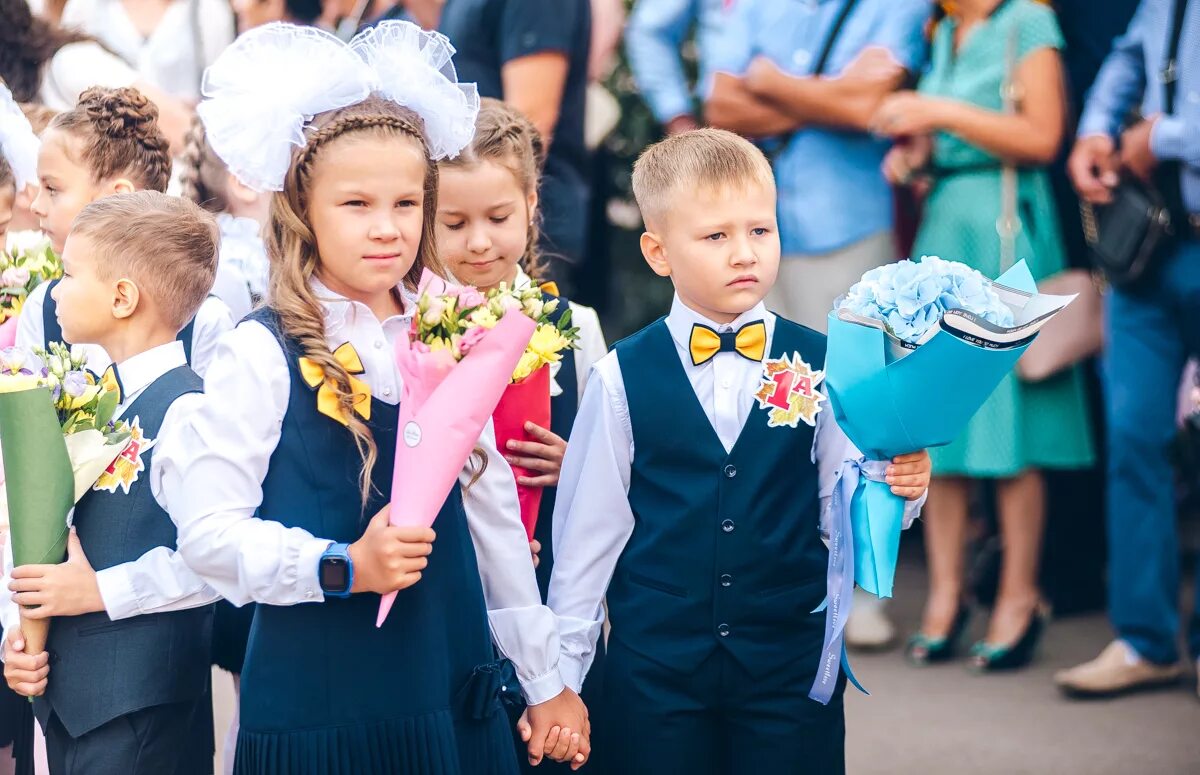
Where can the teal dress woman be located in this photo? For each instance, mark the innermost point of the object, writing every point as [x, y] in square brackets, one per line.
[957, 137]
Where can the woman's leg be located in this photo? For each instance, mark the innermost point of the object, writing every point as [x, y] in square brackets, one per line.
[945, 535]
[1022, 507]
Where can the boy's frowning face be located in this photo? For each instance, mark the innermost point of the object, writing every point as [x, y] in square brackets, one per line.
[720, 247]
[83, 301]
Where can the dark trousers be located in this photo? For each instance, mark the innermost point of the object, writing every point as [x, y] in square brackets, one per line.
[1151, 333]
[152, 741]
[718, 720]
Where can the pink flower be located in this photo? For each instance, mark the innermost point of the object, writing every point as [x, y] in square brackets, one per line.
[472, 337]
[470, 297]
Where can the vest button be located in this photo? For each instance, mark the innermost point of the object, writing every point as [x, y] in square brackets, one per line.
[723, 630]
[727, 526]
[726, 580]
[730, 471]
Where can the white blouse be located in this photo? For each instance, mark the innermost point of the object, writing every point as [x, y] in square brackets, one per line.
[212, 469]
[187, 39]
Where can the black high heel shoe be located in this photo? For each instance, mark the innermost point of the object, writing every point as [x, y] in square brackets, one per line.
[988, 657]
[924, 650]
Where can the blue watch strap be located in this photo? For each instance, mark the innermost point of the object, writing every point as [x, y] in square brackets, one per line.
[341, 552]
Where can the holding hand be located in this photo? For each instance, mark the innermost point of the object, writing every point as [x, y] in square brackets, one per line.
[1093, 168]
[909, 474]
[25, 673]
[908, 113]
[543, 455]
[1136, 155]
[387, 558]
[558, 728]
[66, 589]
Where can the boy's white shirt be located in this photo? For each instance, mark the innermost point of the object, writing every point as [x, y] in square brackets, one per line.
[212, 479]
[159, 580]
[592, 517]
[212, 320]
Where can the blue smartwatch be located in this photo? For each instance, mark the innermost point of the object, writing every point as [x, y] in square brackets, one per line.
[336, 571]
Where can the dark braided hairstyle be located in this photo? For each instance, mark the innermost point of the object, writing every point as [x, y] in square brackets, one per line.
[27, 43]
[292, 246]
[202, 173]
[120, 135]
[504, 135]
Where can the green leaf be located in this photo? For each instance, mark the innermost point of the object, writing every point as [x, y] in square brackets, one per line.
[106, 407]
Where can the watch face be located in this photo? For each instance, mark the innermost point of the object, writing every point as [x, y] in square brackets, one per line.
[335, 574]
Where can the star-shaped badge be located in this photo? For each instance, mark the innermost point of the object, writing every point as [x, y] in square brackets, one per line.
[788, 389]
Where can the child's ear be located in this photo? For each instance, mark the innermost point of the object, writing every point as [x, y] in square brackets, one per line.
[122, 186]
[532, 202]
[655, 253]
[239, 191]
[125, 299]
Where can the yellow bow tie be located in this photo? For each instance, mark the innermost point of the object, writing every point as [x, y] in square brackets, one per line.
[327, 400]
[111, 383]
[549, 287]
[750, 342]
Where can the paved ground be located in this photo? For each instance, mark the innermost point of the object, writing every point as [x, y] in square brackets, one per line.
[945, 720]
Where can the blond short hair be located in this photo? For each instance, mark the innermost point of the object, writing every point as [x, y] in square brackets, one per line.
[699, 159]
[165, 244]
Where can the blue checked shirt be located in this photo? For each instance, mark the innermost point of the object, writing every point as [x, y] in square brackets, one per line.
[831, 190]
[1131, 76]
[656, 32]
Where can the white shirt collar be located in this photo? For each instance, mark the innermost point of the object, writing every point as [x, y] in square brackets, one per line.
[340, 311]
[523, 280]
[681, 318]
[138, 372]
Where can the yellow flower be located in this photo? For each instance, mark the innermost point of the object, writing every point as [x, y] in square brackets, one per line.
[528, 364]
[547, 343]
[17, 383]
[483, 317]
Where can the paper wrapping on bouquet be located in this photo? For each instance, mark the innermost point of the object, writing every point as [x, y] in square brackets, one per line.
[524, 401]
[443, 409]
[890, 400]
[8, 332]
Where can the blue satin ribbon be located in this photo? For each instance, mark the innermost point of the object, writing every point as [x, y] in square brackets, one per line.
[839, 592]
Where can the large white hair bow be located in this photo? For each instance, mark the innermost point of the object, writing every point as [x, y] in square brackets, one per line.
[263, 90]
[17, 141]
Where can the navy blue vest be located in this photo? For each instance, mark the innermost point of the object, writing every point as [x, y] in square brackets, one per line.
[52, 331]
[326, 666]
[101, 669]
[563, 408]
[726, 549]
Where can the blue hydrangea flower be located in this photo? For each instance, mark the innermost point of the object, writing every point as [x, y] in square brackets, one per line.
[910, 297]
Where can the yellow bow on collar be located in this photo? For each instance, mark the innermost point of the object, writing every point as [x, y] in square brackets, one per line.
[112, 383]
[750, 342]
[327, 400]
[549, 287]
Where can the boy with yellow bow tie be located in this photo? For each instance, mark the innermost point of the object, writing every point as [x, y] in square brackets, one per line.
[694, 492]
[132, 624]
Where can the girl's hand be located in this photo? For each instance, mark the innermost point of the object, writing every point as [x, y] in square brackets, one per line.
[543, 455]
[386, 558]
[907, 113]
[909, 475]
[535, 547]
